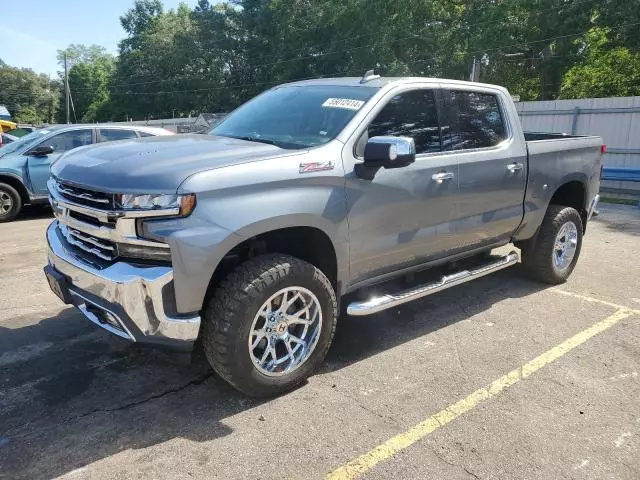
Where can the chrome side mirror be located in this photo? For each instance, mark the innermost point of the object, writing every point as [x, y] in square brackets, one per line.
[389, 152]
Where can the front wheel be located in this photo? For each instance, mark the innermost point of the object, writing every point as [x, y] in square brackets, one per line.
[10, 203]
[554, 254]
[269, 324]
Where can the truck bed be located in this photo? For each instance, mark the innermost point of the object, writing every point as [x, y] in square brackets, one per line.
[555, 159]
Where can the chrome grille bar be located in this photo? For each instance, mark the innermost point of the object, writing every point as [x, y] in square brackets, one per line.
[87, 244]
[91, 240]
[70, 192]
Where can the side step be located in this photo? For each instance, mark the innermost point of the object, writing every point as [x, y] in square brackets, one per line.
[378, 304]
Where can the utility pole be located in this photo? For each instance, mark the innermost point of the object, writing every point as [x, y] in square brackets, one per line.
[475, 70]
[51, 101]
[66, 87]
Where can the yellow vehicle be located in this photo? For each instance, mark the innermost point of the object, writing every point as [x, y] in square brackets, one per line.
[6, 125]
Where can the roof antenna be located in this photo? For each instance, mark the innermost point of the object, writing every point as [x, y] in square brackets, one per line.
[367, 77]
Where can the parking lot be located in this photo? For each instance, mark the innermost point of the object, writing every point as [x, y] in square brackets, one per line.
[498, 378]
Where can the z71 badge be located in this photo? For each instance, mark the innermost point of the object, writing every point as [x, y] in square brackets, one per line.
[316, 167]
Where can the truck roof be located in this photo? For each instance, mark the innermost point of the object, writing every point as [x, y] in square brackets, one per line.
[384, 81]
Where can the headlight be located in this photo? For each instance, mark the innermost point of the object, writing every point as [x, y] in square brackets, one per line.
[184, 204]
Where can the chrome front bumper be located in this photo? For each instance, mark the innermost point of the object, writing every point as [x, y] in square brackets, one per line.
[125, 299]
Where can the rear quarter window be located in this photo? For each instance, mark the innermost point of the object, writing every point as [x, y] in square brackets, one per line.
[113, 134]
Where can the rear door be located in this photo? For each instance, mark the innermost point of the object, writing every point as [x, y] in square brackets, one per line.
[401, 217]
[492, 165]
[61, 143]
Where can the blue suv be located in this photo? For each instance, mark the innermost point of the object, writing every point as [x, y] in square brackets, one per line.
[24, 164]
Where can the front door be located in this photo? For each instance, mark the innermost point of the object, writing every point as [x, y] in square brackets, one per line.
[38, 166]
[492, 166]
[401, 217]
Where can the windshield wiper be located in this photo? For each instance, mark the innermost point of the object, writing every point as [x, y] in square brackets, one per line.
[268, 141]
[257, 139]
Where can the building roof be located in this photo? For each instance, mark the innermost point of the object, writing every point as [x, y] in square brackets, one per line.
[210, 117]
[4, 113]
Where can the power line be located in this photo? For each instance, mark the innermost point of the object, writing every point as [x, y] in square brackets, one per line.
[484, 51]
[533, 42]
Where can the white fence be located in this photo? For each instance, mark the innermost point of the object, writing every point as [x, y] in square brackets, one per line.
[616, 120]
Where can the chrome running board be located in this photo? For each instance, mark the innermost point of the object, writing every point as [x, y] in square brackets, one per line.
[378, 304]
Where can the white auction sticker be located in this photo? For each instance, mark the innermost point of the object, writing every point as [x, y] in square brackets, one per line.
[347, 103]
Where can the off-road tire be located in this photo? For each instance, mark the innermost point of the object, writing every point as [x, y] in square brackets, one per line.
[537, 256]
[16, 206]
[229, 314]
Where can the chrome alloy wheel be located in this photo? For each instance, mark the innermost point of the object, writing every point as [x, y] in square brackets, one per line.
[6, 203]
[565, 245]
[285, 331]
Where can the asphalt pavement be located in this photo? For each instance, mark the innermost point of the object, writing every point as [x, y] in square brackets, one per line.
[499, 378]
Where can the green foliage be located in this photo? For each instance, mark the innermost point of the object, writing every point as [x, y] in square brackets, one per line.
[605, 71]
[91, 71]
[215, 56]
[30, 98]
[78, 53]
[28, 114]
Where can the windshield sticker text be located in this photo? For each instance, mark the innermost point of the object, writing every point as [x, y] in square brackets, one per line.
[347, 103]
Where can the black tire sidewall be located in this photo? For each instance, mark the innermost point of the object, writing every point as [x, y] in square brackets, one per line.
[17, 203]
[244, 376]
[326, 332]
[537, 257]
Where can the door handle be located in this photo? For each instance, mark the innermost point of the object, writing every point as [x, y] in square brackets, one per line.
[514, 167]
[442, 176]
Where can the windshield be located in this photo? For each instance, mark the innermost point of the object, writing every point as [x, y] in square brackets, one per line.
[296, 117]
[24, 141]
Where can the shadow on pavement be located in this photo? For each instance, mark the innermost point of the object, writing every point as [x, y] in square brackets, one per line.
[33, 212]
[619, 218]
[76, 398]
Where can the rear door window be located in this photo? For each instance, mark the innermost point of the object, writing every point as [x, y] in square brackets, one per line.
[112, 134]
[410, 114]
[474, 120]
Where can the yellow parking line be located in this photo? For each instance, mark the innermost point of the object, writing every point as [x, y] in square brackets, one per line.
[594, 300]
[388, 449]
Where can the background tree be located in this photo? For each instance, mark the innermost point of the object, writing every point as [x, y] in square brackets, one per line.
[605, 72]
[90, 74]
[31, 98]
[213, 57]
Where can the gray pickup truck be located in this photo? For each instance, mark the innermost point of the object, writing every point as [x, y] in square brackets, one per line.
[253, 238]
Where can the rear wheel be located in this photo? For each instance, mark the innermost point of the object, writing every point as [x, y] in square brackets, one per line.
[10, 202]
[269, 324]
[554, 254]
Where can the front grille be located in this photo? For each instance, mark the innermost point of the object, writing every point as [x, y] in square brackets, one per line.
[96, 247]
[85, 197]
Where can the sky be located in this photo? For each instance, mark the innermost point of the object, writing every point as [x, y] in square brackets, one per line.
[31, 31]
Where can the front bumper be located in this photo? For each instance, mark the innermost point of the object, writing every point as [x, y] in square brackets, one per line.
[127, 300]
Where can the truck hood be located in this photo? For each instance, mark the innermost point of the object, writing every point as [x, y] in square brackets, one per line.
[156, 164]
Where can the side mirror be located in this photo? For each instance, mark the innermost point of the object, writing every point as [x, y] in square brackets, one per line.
[389, 152]
[41, 151]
